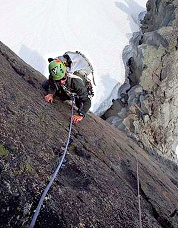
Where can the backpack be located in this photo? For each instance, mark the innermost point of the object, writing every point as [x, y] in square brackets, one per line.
[80, 67]
[79, 63]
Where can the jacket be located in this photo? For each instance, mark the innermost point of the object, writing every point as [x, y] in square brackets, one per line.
[72, 85]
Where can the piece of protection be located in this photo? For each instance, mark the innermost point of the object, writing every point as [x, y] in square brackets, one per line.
[76, 119]
[49, 98]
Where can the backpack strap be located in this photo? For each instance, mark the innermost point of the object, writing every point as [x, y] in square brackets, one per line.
[70, 76]
[93, 78]
[73, 76]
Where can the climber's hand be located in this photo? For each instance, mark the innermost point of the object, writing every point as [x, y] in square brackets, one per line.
[49, 98]
[76, 119]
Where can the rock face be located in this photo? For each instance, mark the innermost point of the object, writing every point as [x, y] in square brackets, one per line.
[97, 187]
[148, 100]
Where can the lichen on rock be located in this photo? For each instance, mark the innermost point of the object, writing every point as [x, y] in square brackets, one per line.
[152, 65]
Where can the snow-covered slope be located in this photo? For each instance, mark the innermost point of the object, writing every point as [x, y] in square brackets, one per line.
[36, 30]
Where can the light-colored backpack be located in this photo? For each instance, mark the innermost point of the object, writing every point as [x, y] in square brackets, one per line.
[80, 64]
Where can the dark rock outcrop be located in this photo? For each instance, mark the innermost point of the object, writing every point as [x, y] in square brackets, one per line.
[97, 187]
[149, 94]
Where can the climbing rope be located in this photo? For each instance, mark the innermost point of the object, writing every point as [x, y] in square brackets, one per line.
[138, 191]
[56, 171]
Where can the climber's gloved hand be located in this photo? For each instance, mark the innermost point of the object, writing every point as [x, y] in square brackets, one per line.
[50, 59]
[49, 98]
[76, 118]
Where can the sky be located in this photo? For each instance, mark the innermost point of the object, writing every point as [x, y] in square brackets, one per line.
[100, 29]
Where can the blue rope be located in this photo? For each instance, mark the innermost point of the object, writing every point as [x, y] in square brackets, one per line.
[55, 173]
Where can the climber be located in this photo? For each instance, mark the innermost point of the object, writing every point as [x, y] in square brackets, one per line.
[63, 84]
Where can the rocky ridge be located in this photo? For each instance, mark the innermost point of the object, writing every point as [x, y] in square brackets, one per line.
[148, 100]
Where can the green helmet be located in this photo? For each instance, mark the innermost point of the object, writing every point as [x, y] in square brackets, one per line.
[57, 69]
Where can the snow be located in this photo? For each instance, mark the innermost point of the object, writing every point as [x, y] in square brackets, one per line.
[37, 30]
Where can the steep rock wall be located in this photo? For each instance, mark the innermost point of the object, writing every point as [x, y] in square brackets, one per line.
[97, 187]
[147, 106]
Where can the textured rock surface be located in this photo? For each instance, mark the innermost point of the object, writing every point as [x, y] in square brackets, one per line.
[150, 92]
[97, 187]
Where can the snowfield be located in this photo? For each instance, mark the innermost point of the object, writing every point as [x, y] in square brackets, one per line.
[37, 30]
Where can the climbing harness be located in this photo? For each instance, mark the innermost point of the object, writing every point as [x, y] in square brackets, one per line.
[56, 171]
[138, 192]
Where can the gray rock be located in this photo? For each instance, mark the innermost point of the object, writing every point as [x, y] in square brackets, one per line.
[151, 70]
[97, 187]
